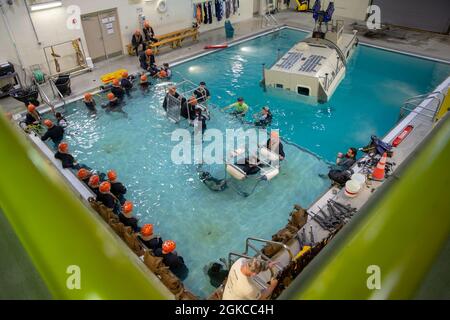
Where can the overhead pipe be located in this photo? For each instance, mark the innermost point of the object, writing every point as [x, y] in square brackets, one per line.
[11, 35]
[32, 24]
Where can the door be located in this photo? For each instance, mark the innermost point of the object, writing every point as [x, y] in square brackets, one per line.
[112, 38]
[93, 36]
[102, 33]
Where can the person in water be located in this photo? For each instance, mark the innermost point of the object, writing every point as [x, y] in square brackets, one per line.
[144, 83]
[167, 69]
[212, 183]
[32, 117]
[126, 216]
[264, 118]
[202, 93]
[61, 121]
[149, 239]
[147, 61]
[216, 273]
[240, 108]
[67, 160]
[90, 102]
[200, 121]
[118, 91]
[113, 105]
[117, 188]
[172, 259]
[251, 166]
[84, 175]
[171, 94]
[341, 173]
[274, 144]
[54, 132]
[94, 184]
[126, 83]
[106, 197]
[188, 108]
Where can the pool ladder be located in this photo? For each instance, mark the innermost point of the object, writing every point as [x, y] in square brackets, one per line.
[249, 244]
[414, 105]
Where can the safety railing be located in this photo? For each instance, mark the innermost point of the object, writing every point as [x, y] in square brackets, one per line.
[413, 105]
[44, 96]
[56, 92]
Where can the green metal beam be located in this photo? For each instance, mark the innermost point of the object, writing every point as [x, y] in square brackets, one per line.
[58, 231]
[402, 230]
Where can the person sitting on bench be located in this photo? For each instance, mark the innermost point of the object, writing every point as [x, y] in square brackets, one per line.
[149, 33]
[137, 41]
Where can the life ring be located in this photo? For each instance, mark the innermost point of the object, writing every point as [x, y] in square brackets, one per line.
[162, 6]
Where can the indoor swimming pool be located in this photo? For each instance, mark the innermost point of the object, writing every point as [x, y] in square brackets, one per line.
[207, 225]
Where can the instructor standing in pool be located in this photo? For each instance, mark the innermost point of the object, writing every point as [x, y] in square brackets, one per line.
[240, 108]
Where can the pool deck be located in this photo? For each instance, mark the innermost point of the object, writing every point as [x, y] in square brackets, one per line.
[418, 43]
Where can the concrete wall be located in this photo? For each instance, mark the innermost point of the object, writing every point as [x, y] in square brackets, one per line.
[352, 9]
[432, 15]
[51, 24]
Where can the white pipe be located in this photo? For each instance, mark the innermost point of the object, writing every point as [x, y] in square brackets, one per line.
[32, 24]
[11, 35]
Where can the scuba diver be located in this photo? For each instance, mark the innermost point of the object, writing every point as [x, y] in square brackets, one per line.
[240, 108]
[172, 259]
[62, 122]
[126, 83]
[117, 188]
[54, 132]
[126, 216]
[148, 239]
[264, 118]
[89, 102]
[33, 117]
[341, 172]
[212, 183]
[117, 90]
[202, 93]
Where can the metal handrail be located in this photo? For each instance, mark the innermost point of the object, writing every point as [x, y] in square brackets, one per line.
[44, 96]
[54, 87]
[247, 245]
[416, 101]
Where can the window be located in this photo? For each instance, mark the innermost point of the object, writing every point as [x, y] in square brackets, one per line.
[280, 86]
[303, 91]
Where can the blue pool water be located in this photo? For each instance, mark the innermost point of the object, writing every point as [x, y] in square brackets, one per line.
[208, 225]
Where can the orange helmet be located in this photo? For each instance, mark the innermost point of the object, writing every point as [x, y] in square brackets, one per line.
[127, 207]
[124, 74]
[116, 82]
[111, 96]
[143, 78]
[146, 24]
[274, 134]
[31, 107]
[87, 96]
[105, 187]
[149, 52]
[193, 100]
[168, 246]
[48, 123]
[147, 230]
[83, 173]
[63, 147]
[163, 73]
[94, 180]
[112, 175]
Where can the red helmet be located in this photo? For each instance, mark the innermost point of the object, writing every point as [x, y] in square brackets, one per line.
[116, 82]
[48, 123]
[112, 175]
[168, 246]
[147, 230]
[105, 187]
[111, 96]
[63, 147]
[94, 180]
[83, 173]
[127, 207]
[31, 107]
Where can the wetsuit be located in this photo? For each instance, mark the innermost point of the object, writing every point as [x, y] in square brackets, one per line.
[217, 274]
[174, 262]
[118, 92]
[119, 190]
[137, 41]
[67, 160]
[187, 110]
[90, 105]
[56, 133]
[95, 190]
[107, 199]
[62, 123]
[202, 94]
[30, 119]
[146, 61]
[149, 34]
[264, 120]
[280, 148]
[153, 244]
[166, 99]
[129, 222]
[126, 84]
[113, 106]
